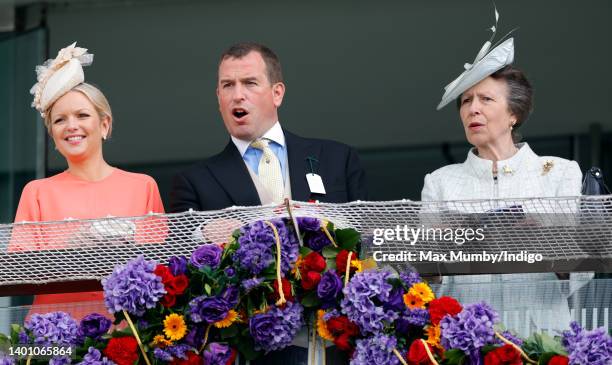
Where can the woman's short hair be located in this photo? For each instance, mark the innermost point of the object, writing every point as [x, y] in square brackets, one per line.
[96, 97]
[520, 95]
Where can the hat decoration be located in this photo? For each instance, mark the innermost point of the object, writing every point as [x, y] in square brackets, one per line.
[485, 64]
[57, 76]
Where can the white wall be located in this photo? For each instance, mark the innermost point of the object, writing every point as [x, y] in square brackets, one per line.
[368, 73]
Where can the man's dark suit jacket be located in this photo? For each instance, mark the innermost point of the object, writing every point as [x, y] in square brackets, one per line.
[223, 180]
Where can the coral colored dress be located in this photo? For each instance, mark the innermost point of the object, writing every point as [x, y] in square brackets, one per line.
[121, 194]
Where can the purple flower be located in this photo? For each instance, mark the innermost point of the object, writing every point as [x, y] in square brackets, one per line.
[510, 337]
[229, 272]
[162, 355]
[276, 328]
[258, 246]
[93, 325]
[195, 336]
[217, 354]
[94, 357]
[308, 224]
[316, 241]
[55, 328]
[206, 255]
[469, 330]
[177, 265]
[213, 309]
[417, 317]
[410, 278]
[396, 301]
[23, 337]
[60, 360]
[6, 360]
[179, 351]
[133, 287]
[329, 288]
[375, 350]
[587, 347]
[364, 299]
[251, 284]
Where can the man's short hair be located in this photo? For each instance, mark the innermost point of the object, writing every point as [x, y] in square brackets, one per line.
[273, 66]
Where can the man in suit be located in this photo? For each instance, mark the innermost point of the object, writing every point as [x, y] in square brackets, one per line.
[263, 163]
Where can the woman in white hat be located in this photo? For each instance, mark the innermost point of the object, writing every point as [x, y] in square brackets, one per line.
[494, 100]
[78, 118]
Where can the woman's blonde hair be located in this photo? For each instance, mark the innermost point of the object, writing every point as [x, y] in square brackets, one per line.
[96, 97]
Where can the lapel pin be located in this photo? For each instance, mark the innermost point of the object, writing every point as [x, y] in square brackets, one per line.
[547, 167]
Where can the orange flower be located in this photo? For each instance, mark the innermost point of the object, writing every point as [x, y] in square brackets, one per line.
[422, 291]
[322, 326]
[433, 337]
[413, 301]
[230, 318]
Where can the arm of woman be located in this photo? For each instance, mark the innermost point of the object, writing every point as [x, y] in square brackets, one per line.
[154, 201]
[430, 191]
[26, 237]
[571, 180]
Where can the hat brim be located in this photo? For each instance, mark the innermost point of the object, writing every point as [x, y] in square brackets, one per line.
[495, 60]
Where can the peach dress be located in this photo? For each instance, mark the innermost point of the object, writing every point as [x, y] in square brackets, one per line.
[121, 194]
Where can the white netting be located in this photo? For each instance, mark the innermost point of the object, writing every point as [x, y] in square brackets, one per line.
[560, 229]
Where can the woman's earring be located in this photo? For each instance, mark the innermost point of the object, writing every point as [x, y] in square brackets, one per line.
[104, 138]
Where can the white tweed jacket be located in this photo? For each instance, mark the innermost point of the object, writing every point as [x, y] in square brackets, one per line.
[524, 175]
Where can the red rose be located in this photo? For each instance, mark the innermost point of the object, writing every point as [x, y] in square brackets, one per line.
[505, 355]
[442, 306]
[558, 360]
[122, 350]
[341, 261]
[192, 359]
[164, 273]
[177, 285]
[342, 325]
[313, 262]
[168, 300]
[310, 280]
[417, 354]
[343, 342]
[286, 289]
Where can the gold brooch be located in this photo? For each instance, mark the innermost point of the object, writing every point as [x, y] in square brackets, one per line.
[547, 167]
[507, 170]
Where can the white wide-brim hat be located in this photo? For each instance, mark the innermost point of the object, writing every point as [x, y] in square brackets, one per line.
[498, 58]
[58, 76]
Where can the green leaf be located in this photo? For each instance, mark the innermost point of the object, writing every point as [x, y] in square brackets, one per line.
[304, 251]
[330, 252]
[207, 289]
[538, 344]
[246, 346]
[347, 238]
[229, 332]
[330, 226]
[330, 264]
[311, 299]
[454, 357]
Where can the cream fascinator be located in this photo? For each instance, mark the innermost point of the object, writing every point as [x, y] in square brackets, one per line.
[486, 63]
[58, 76]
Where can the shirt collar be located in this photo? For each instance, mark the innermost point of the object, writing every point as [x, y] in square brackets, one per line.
[274, 134]
[483, 167]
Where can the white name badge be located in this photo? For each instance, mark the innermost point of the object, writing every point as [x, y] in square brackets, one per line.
[315, 183]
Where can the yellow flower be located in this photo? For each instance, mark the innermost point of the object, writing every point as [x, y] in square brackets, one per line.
[230, 318]
[174, 327]
[296, 269]
[322, 326]
[357, 264]
[413, 301]
[422, 291]
[433, 336]
[160, 341]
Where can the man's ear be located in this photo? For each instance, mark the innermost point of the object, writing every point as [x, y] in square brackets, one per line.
[278, 92]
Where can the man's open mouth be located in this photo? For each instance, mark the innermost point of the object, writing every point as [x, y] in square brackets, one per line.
[239, 112]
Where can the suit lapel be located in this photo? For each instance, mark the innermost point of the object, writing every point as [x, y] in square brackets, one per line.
[298, 149]
[229, 169]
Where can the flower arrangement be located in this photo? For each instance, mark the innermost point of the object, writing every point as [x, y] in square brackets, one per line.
[253, 294]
